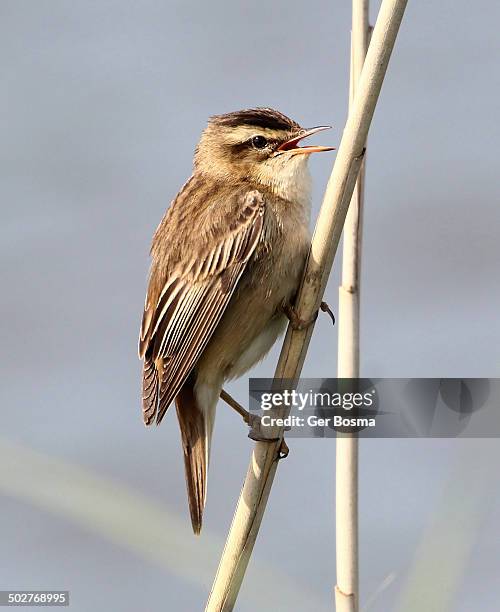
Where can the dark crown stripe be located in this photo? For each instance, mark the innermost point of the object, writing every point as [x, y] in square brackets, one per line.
[258, 117]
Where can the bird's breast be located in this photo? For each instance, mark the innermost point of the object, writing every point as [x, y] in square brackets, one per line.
[274, 272]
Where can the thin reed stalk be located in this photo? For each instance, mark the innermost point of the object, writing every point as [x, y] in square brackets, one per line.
[346, 464]
[265, 455]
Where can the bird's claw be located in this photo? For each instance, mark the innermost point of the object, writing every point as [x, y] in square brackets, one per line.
[283, 450]
[325, 308]
[296, 322]
[253, 421]
[299, 324]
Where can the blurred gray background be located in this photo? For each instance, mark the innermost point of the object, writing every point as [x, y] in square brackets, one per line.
[102, 104]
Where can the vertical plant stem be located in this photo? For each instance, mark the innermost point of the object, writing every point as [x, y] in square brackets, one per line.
[263, 463]
[346, 480]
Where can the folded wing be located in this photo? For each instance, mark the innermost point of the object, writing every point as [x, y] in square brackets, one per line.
[180, 318]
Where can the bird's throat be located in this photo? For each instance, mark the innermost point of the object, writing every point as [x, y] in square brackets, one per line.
[289, 179]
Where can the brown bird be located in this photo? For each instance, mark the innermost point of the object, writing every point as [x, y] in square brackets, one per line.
[226, 263]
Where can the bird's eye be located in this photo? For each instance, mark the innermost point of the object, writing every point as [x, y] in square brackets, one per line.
[259, 142]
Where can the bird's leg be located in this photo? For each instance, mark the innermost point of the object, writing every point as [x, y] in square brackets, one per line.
[230, 401]
[300, 324]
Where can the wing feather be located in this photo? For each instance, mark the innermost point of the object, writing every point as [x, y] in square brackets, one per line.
[179, 321]
[206, 317]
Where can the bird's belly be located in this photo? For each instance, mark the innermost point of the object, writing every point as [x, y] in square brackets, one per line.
[258, 347]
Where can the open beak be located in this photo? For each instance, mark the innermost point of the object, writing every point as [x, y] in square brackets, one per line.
[292, 146]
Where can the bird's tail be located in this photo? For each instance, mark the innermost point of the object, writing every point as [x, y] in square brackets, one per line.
[196, 424]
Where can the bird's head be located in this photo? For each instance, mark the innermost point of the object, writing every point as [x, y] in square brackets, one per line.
[259, 145]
